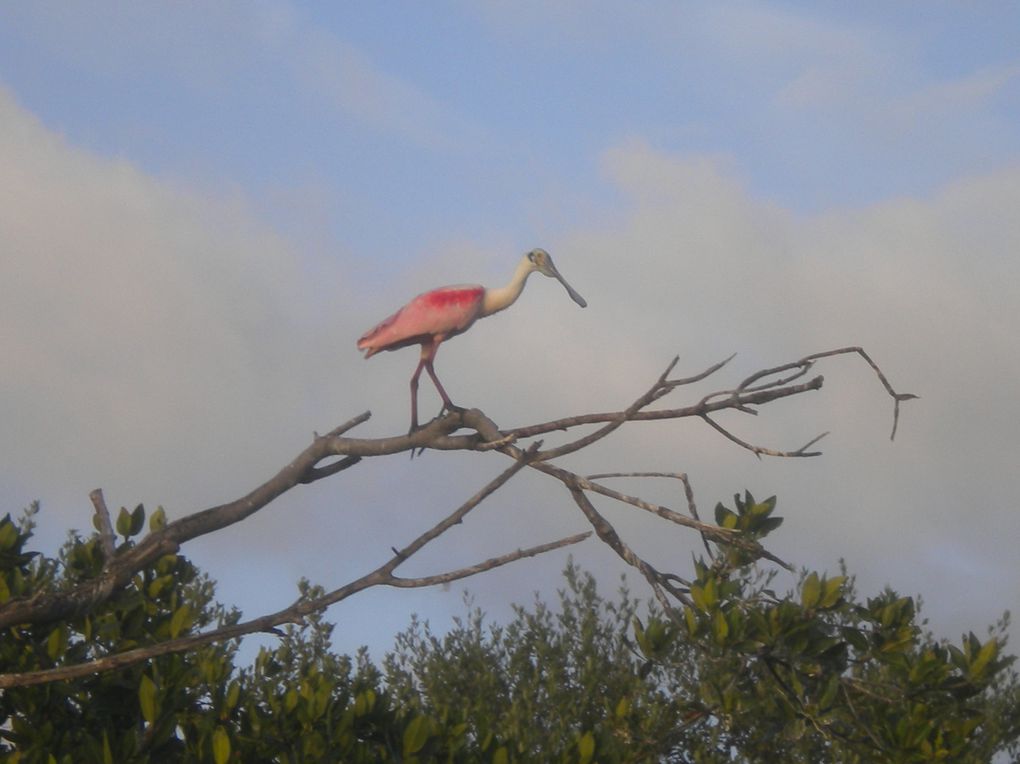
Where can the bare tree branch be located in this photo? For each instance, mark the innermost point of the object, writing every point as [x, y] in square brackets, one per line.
[381, 576]
[492, 562]
[652, 393]
[611, 538]
[688, 493]
[268, 623]
[718, 534]
[760, 450]
[335, 452]
[733, 401]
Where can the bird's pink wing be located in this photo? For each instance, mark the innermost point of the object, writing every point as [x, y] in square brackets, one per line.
[441, 313]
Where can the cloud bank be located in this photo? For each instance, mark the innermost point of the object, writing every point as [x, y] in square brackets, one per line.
[165, 344]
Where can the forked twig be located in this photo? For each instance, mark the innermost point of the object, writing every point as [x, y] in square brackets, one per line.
[688, 493]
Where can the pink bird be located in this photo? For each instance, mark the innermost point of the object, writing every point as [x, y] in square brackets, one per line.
[435, 316]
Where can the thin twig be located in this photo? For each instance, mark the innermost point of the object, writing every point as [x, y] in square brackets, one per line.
[492, 562]
[897, 397]
[688, 493]
[624, 416]
[760, 450]
[458, 514]
[268, 623]
[698, 409]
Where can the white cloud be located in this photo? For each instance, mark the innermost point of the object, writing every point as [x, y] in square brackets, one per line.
[927, 286]
[147, 329]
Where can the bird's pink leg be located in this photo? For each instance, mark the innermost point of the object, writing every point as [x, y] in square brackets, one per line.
[442, 393]
[414, 391]
[428, 355]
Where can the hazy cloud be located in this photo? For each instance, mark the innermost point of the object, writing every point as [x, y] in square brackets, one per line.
[212, 48]
[143, 324]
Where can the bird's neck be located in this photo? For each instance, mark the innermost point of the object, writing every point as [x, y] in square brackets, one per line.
[499, 298]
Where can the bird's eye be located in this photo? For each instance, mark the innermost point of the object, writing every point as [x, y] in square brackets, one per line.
[531, 256]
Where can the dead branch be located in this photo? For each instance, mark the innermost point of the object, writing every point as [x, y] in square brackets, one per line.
[335, 452]
[692, 508]
[611, 538]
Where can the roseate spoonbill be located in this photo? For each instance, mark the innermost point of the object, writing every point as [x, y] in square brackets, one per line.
[435, 316]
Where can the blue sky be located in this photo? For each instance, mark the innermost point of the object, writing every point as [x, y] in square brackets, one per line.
[204, 205]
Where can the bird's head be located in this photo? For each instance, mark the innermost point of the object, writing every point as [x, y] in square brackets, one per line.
[541, 261]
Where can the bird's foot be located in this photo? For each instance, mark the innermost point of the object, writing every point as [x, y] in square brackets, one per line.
[414, 428]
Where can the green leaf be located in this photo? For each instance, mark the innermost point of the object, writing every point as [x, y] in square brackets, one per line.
[622, 708]
[137, 520]
[856, 638]
[833, 591]
[56, 645]
[158, 519]
[221, 745]
[692, 620]
[639, 636]
[107, 751]
[811, 591]
[157, 585]
[179, 620]
[725, 517]
[829, 695]
[124, 522]
[981, 660]
[233, 694]
[501, 756]
[147, 699]
[416, 734]
[704, 595]
[720, 626]
[657, 636]
[720, 513]
[586, 748]
[364, 702]
[8, 534]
